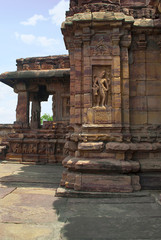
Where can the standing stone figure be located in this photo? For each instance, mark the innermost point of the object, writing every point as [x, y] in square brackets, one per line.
[101, 87]
[156, 4]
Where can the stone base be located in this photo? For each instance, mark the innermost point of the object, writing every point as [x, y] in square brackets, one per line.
[63, 192]
[100, 182]
[150, 181]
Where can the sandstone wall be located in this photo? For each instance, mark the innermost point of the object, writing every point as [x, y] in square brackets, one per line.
[145, 81]
[5, 129]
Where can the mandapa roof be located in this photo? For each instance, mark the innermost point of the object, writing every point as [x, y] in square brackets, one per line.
[9, 78]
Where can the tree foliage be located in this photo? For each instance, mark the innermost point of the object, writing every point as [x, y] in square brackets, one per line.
[46, 117]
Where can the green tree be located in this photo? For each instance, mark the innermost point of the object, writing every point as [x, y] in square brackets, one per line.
[46, 117]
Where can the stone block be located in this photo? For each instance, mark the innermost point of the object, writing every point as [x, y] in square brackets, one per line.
[78, 115]
[125, 102]
[137, 71]
[116, 66]
[154, 117]
[153, 88]
[125, 86]
[153, 56]
[116, 103]
[133, 88]
[118, 115]
[150, 181]
[91, 146]
[78, 100]
[116, 85]
[87, 100]
[125, 70]
[150, 165]
[70, 180]
[153, 71]
[138, 103]
[105, 165]
[138, 117]
[139, 56]
[141, 88]
[154, 103]
[106, 183]
[136, 182]
[126, 116]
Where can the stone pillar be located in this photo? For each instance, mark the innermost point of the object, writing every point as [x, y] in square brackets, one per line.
[125, 44]
[22, 110]
[35, 113]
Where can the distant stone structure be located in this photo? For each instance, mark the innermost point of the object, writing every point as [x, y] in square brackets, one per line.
[34, 80]
[113, 141]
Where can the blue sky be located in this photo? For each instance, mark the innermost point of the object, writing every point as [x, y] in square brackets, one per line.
[27, 29]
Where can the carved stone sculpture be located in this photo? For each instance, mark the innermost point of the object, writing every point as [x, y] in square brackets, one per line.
[101, 86]
[156, 4]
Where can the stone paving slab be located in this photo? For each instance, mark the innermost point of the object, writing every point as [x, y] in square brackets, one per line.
[31, 211]
[28, 232]
[5, 191]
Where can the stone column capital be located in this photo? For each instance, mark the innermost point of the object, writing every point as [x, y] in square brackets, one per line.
[126, 41]
[20, 87]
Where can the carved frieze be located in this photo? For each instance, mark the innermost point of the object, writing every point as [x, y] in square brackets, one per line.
[16, 148]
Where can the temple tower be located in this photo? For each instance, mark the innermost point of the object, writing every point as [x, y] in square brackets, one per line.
[98, 37]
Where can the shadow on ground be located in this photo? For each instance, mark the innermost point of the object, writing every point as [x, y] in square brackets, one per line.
[109, 219]
[71, 218]
[18, 175]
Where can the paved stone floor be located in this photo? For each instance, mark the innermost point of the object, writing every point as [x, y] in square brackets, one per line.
[30, 210]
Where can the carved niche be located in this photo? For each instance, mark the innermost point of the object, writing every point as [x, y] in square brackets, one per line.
[101, 86]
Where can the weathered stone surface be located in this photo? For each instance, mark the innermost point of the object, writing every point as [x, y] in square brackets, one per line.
[5, 191]
[91, 146]
[101, 165]
[104, 183]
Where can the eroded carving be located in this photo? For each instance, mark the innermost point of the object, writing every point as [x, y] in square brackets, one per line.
[101, 87]
[32, 148]
[16, 148]
[101, 48]
[50, 149]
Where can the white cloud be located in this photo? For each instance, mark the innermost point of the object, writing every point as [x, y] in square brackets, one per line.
[39, 41]
[27, 38]
[47, 42]
[33, 20]
[58, 12]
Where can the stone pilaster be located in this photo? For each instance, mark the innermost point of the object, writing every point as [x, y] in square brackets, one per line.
[125, 44]
[35, 112]
[22, 110]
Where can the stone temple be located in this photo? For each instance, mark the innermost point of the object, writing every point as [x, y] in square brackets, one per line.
[106, 99]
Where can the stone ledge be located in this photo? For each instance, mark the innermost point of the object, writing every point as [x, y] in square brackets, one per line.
[63, 192]
[97, 16]
[101, 165]
[114, 146]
